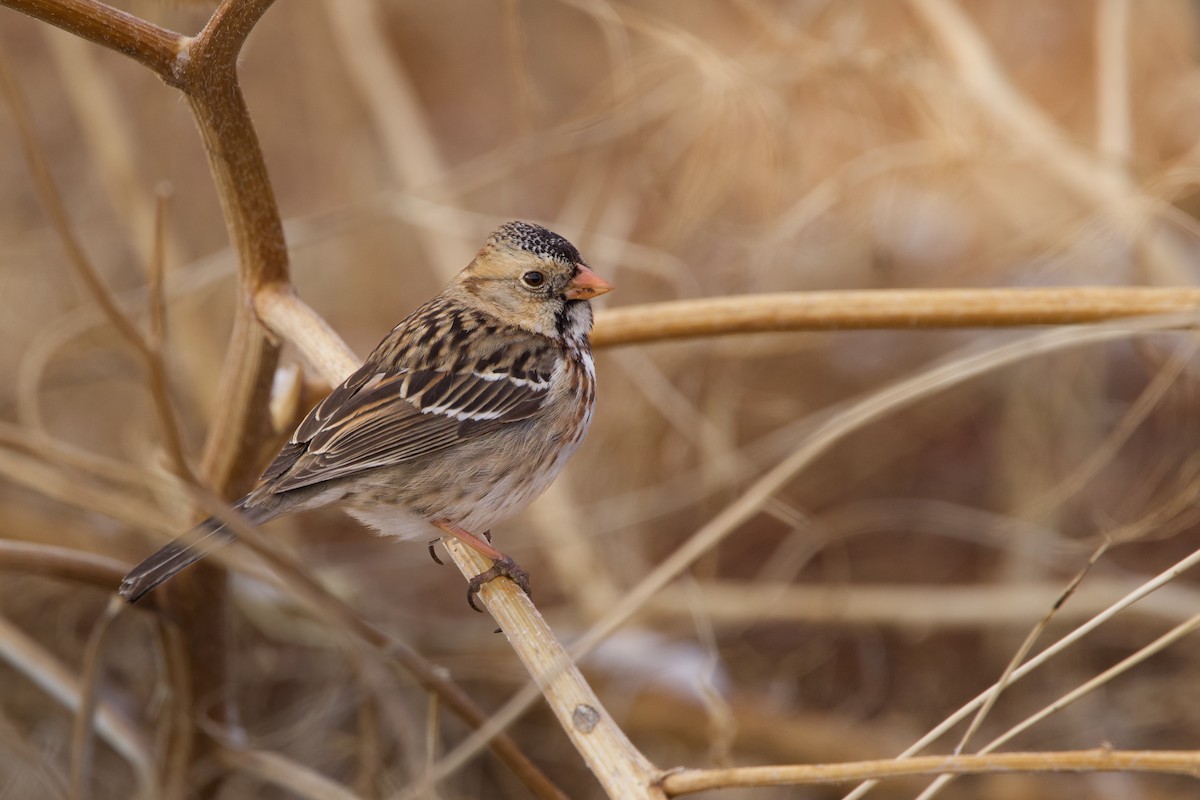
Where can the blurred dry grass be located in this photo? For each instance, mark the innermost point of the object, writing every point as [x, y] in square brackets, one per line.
[692, 149]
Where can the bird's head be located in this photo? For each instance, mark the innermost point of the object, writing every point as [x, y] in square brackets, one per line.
[532, 278]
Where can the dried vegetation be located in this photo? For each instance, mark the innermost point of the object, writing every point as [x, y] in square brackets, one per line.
[885, 518]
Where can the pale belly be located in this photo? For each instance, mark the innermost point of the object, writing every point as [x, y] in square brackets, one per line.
[483, 492]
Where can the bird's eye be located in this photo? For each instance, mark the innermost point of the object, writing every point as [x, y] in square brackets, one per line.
[533, 279]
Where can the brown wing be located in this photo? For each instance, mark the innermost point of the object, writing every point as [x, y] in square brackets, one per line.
[378, 419]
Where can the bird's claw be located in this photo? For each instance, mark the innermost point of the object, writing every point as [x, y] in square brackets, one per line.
[433, 553]
[505, 567]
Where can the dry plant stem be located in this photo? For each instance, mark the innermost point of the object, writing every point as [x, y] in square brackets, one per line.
[208, 78]
[1158, 645]
[890, 308]
[1163, 762]
[296, 778]
[1026, 646]
[82, 739]
[621, 769]
[240, 174]
[55, 679]
[735, 603]
[64, 563]
[176, 734]
[1160, 580]
[369, 753]
[294, 321]
[156, 301]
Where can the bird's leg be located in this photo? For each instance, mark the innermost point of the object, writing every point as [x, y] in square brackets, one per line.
[501, 564]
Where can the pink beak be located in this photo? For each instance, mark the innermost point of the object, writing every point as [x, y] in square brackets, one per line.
[586, 285]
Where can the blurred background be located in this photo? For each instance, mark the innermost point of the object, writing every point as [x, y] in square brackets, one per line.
[689, 150]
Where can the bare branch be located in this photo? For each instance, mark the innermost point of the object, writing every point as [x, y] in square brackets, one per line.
[889, 308]
[142, 41]
[1101, 760]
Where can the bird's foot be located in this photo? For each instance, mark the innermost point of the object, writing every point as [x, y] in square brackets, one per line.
[502, 566]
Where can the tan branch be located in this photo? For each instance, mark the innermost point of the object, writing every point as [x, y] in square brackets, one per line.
[885, 308]
[1100, 760]
[619, 766]
[142, 41]
[217, 46]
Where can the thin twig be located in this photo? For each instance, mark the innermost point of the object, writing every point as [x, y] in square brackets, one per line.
[1161, 762]
[175, 737]
[156, 303]
[1023, 650]
[82, 740]
[65, 563]
[275, 769]
[1147, 588]
[1126, 664]
[617, 764]
[915, 607]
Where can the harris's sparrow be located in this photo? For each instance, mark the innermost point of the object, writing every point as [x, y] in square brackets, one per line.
[459, 418]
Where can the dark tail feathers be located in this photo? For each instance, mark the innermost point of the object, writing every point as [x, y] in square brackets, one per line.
[178, 555]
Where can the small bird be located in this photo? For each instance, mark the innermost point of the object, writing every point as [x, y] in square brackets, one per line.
[459, 418]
